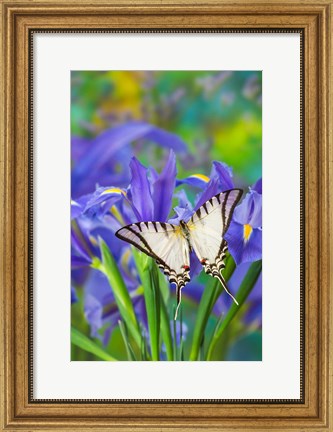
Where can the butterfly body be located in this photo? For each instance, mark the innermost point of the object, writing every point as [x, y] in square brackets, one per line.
[186, 233]
[170, 245]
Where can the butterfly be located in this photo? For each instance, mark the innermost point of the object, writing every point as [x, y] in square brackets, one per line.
[170, 245]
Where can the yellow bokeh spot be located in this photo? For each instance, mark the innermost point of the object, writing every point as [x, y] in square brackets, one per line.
[201, 177]
[247, 232]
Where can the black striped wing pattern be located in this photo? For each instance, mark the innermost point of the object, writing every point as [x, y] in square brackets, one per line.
[207, 228]
[166, 244]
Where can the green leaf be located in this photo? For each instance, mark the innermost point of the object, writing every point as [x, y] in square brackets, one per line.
[165, 330]
[83, 342]
[110, 268]
[181, 350]
[148, 273]
[202, 350]
[129, 349]
[244, 290]
[209, 297]
[165, 319]
[164, 287]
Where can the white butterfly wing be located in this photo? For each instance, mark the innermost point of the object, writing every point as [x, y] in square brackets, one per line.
[207, 228]
[166, 244]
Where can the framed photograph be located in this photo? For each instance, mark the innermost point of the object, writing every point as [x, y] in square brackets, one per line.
[166, 219]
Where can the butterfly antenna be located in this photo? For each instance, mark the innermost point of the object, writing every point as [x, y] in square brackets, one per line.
[179, 299]
[222, 281]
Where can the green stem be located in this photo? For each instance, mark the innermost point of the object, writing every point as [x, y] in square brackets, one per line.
[154, 317]
[82, 341]
[148, 273]
[242, 294]
[129, 349]
[109, 267]
[165, 330]
[209, 297]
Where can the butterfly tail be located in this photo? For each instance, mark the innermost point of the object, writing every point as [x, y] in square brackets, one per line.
[179, 299]
[224, 285]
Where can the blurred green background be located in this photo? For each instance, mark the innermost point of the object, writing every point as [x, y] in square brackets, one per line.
[218, 114]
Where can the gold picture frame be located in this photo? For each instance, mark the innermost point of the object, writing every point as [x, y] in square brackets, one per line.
[313, 19]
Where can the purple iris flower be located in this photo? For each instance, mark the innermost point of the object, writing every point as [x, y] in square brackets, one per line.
[196, 180]
[91, 220]
[148, 197]
[100, 309]
[100, 160]
[87, 227]
[224, 174]
[220, 180]
[73, 295]
[78, 205]
[258, 186]
[244, 236]
[102, 200]
[184, 210]
[221, 173]
[149, 193]
[211, 189]
[139, 191]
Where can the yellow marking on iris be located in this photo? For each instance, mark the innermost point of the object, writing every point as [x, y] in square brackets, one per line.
[93, 241]
[115, 212]
[201, 177]
[75, 203]
[247, 232]
[114, 190]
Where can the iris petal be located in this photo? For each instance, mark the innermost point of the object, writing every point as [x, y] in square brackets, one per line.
[195, 180]
[73, 295]
[181, 214]
[241, 250]
[250, 210]
[258, 186]
[223, 172]
[184, 209]
[102, 200]
[211, 190]
[98, 297]
[105, 150]
[163, 189]
[140, 192]
[78, 205]
[256, 217]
